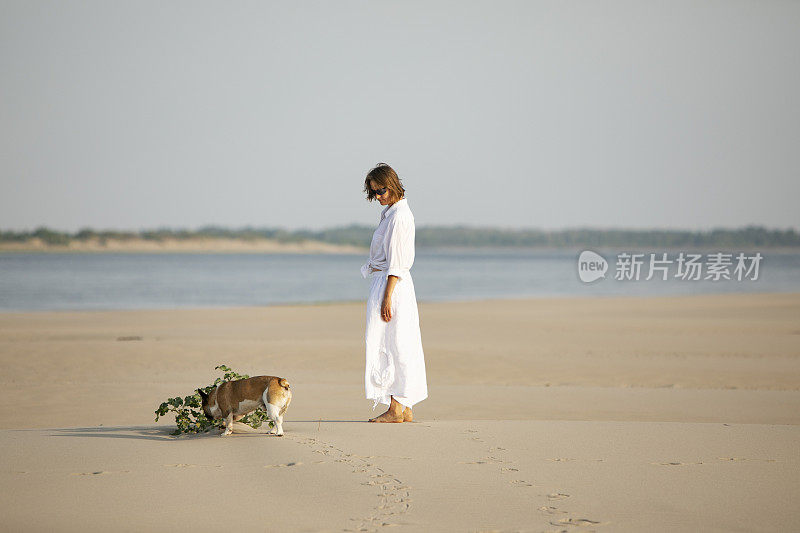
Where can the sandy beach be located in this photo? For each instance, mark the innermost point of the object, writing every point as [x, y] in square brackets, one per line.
[563, 414]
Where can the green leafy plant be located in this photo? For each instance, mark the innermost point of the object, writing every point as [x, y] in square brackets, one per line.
[189, 416]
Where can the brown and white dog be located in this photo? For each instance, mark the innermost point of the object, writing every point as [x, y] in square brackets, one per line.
[234, 399]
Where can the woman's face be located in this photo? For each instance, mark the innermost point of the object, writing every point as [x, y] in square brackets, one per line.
[385, 198]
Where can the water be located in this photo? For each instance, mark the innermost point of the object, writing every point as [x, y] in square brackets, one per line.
[77, 281]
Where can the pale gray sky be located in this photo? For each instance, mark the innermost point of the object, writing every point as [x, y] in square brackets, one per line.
[635, 114]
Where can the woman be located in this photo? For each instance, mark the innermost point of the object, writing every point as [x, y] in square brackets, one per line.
[395, 363]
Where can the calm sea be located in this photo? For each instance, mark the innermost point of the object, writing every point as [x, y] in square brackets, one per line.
[85, 281]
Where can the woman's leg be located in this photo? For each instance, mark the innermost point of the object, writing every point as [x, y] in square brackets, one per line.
[394, 413]
[408, 416]
[396, 410]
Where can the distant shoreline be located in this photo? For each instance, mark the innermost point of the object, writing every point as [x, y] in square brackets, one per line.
[195, 245]
[272, 246]
[355, 238]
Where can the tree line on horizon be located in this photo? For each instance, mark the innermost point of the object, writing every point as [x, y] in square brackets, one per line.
[444, 236]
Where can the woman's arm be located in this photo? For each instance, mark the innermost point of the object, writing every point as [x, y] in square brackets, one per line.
[398, 245]
[386, 306]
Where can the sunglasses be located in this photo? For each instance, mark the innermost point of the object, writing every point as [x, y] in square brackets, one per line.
[379, 192]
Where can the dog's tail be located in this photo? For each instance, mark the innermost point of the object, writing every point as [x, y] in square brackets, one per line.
[283, 383]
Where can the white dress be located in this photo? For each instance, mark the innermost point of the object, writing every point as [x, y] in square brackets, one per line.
[395, 362]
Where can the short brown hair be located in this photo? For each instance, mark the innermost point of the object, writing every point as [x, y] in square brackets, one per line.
[384, 176]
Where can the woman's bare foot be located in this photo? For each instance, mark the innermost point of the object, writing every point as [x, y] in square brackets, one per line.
[393, 414]
[388, 416]
[407, 415]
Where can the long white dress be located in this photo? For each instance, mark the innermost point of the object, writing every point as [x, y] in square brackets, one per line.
[395, 362]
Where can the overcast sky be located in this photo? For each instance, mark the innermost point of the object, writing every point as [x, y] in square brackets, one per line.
[552, 114]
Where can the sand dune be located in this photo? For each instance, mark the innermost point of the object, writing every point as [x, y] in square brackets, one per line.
[602, 414]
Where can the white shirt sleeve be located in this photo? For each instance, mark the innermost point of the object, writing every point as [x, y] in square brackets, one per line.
[365, 268]
[398, 244]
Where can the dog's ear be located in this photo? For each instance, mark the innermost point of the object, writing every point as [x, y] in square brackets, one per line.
[203, 395]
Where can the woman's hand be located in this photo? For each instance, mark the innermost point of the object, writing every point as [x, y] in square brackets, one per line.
[386, 306]
[386, 309]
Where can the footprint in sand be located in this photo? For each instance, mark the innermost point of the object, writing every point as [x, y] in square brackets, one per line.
[561, 459]
[557, 496]
[576, 522]
[506, 470]
[746, 459]
[486, 461]
[551, 510]
[520, 483]
[100, 473]
[393, 494]
[298, 463]
[675, 464]
[189, 465]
